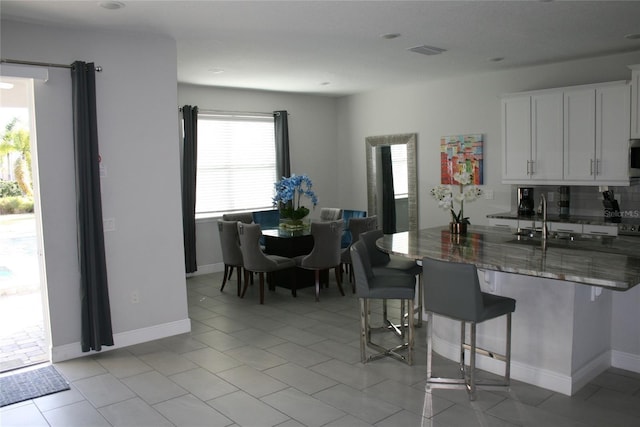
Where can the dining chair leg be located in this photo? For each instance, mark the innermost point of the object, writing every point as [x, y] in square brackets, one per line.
[294, 282]
[246, 283]
[339, 282]
[317, 275]
[261, 287]
[224, 277]
[239, 274]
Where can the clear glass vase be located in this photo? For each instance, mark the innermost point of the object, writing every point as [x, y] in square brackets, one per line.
[291, 224]
[458, 228]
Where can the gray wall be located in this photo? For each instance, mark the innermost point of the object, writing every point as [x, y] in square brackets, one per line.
[138, 133]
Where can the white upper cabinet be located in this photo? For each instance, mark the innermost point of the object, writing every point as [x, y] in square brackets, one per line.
[516, 138]
[596, 134]
[612, 134]
[546, 136]
[570, 136]
[532, 138]
[635, 101]
[579, 134]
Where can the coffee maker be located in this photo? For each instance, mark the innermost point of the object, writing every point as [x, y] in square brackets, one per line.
[525, 201]
[563, 201]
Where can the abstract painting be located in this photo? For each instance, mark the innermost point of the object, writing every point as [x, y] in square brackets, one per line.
[460, 153]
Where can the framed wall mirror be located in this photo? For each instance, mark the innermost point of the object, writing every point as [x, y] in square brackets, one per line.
[392, 181]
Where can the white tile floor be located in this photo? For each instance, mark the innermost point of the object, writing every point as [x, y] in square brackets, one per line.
[294, 362]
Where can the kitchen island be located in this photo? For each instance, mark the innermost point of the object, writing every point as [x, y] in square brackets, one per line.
[562, 326]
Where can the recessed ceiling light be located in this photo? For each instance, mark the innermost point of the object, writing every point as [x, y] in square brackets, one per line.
[390, 36]
[216, 70]
[112, 5]
[632, 36]
[5, 85]
[427, 50]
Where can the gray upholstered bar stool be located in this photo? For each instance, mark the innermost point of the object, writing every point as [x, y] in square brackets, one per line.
[370, 286]
[384, 263]
[452, 289]
[357, 226]
[256, 261]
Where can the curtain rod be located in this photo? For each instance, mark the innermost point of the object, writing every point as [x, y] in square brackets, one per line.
[205, 111]
[39, 64]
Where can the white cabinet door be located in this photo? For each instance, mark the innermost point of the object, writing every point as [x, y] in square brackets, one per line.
[635, 101]
[612, 133]
[546, 136]
[503, 222]
[579, 134]
[600, 230]
[516, 138]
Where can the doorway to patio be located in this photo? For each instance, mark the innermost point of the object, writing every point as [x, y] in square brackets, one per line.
[23, 335]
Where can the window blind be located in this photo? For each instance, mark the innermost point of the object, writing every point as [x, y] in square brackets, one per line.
[236, 163]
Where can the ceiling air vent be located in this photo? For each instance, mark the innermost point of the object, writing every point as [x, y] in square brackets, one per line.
[427, 50]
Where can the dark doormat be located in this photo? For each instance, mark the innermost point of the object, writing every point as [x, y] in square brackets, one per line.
[30, 384]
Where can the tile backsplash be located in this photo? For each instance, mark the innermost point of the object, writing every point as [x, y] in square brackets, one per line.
[587, 201]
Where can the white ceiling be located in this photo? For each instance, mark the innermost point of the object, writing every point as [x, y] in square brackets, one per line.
[336, 48]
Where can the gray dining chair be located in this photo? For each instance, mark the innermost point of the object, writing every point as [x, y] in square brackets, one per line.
[325, 254]
[330, 214]
[370, 285]
[357, 226]
[382, 262]
[255, 260]
[244, 217]
[452, 289]
[231, 253]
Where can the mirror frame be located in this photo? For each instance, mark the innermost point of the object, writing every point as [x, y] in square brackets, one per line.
[372, 143]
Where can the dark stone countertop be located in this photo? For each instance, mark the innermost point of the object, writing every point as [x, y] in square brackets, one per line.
[608, 262]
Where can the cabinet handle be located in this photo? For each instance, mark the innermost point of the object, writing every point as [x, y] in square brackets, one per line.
[532, 168]
[597, 166]
[528, 173]
[591, 168]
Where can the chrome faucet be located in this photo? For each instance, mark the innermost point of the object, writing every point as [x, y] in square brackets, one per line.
[545, 230]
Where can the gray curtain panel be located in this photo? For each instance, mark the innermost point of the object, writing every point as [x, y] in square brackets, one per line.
[388, 193]
[96, 313]
[283, 161]
[190, 162]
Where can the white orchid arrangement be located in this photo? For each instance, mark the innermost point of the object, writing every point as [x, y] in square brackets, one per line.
[467, 193]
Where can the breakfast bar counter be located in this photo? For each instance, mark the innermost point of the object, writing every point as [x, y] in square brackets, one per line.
[565, 330]
[607, 262]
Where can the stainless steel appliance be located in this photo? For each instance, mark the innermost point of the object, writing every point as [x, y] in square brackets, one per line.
[611, 207]
[525, 201]
[629, 227]
[634, 158]
[563, 201]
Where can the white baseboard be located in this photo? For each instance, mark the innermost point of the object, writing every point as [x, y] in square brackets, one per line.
[588, 372]
[207, 269]
[124, 339]
[626, 361]
[519, 371]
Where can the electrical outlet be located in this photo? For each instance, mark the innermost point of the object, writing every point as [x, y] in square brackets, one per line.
[109, 224]
[488, 194]
[551, 196]
[135, 297]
